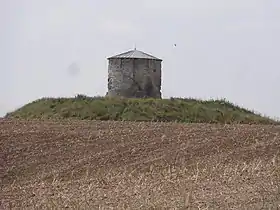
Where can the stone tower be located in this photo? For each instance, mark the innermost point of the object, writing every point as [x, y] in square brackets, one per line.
[134, 74]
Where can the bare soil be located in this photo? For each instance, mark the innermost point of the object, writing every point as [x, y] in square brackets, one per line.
[129, 165]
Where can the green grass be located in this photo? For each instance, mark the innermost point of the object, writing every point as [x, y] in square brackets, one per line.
[104, 108]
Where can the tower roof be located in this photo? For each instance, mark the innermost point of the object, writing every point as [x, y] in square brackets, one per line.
[135, 54]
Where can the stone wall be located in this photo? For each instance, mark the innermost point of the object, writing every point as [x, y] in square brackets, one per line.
[134, 78]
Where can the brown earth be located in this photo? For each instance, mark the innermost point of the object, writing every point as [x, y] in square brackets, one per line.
[128, 165]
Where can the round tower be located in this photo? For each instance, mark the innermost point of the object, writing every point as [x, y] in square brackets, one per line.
[134, 74]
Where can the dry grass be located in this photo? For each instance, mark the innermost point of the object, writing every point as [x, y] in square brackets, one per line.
[129, 165]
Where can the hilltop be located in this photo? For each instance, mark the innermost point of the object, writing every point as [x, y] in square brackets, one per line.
[167, 110]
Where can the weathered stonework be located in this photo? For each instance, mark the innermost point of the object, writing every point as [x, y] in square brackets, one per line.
[134, 77]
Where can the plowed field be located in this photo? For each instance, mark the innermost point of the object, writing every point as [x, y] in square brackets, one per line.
[128, 165]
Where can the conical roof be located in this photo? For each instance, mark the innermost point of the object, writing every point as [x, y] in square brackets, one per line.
[135, 54]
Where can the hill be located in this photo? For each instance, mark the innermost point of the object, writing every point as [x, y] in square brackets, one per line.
[71, 164]
[103, 108]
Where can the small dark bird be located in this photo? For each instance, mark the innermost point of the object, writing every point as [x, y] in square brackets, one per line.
[175, 45]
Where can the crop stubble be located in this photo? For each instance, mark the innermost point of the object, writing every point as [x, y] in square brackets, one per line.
[99, 164]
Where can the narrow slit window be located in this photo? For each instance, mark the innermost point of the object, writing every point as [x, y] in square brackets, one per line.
[121, 64]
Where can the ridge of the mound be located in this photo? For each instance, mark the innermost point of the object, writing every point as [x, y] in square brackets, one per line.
[174, 109]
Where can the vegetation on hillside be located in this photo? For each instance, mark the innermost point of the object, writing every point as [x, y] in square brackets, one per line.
[104, 108]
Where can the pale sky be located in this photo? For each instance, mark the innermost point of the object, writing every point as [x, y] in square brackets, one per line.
[225, 48]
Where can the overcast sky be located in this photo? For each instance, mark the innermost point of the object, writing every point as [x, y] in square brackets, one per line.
[225, 48]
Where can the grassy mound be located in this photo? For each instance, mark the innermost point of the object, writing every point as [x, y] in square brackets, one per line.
[103, 108]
